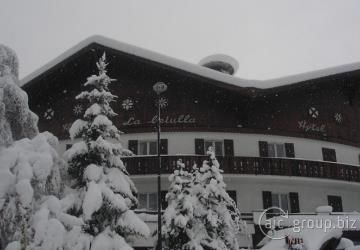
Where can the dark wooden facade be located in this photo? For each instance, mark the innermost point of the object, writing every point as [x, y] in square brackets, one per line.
[326, 108]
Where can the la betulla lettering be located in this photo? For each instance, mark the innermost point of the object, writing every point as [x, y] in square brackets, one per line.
[131, 121]
[180, 119]
[312, 127]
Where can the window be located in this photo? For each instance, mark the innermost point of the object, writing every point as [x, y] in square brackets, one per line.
[217, 145]
[286, 201]
[280, 200]
[147, 201]
[147, 148]
[329, 154]
[276, 150]
[222, 147]
[335, 202]
[232, 194]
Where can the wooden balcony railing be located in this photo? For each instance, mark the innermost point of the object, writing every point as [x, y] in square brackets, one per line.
[145, 165]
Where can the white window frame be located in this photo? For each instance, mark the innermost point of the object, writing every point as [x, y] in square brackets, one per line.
[213, 141]
[275, 144]
[147, 146]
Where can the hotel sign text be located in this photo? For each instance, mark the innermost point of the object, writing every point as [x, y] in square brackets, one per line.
[174, 120]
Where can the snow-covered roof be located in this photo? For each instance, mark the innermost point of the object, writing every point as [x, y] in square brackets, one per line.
[310, 75]
[189, 67]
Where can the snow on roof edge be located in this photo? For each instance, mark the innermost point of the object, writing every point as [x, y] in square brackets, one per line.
[190, 67]
[147, 54]
[291, 79]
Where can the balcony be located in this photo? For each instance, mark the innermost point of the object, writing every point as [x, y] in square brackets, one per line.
[147, 165]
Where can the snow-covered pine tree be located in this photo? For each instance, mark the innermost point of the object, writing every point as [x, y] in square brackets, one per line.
[102, 184]
[16, 119]
[29, 168]
[217, 220]
[178, 216]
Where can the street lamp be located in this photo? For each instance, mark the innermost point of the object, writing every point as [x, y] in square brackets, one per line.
[159, 88]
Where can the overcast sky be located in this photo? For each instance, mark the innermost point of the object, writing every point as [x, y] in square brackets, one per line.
[269, 39]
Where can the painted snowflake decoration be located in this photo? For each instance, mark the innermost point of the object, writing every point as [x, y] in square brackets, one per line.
[313, 112]
[127, 104]
[163, 102]
[338, 117]
[77, 109]
[49, 114]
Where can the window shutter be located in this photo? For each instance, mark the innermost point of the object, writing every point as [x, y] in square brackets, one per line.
[289, 149]
[164, 203]
[267, 201]
[263, 149]
[163, 146]
[294, 202]
[133, 146]
[232, 194]
[329, 154]
[229, 147]
[199, 146]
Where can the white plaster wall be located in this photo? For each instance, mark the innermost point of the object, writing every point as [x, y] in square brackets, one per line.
[312, 192]
[245, 144]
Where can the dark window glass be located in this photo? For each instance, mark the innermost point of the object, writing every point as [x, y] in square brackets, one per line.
[216, 145]
[143, 148]
[147, 148]
[280, 200]
[142, 198]
[232, 194]
[153, 201]
[335, 202]
[329, 154]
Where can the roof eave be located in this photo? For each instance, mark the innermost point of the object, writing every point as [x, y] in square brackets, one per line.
[143, 53]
